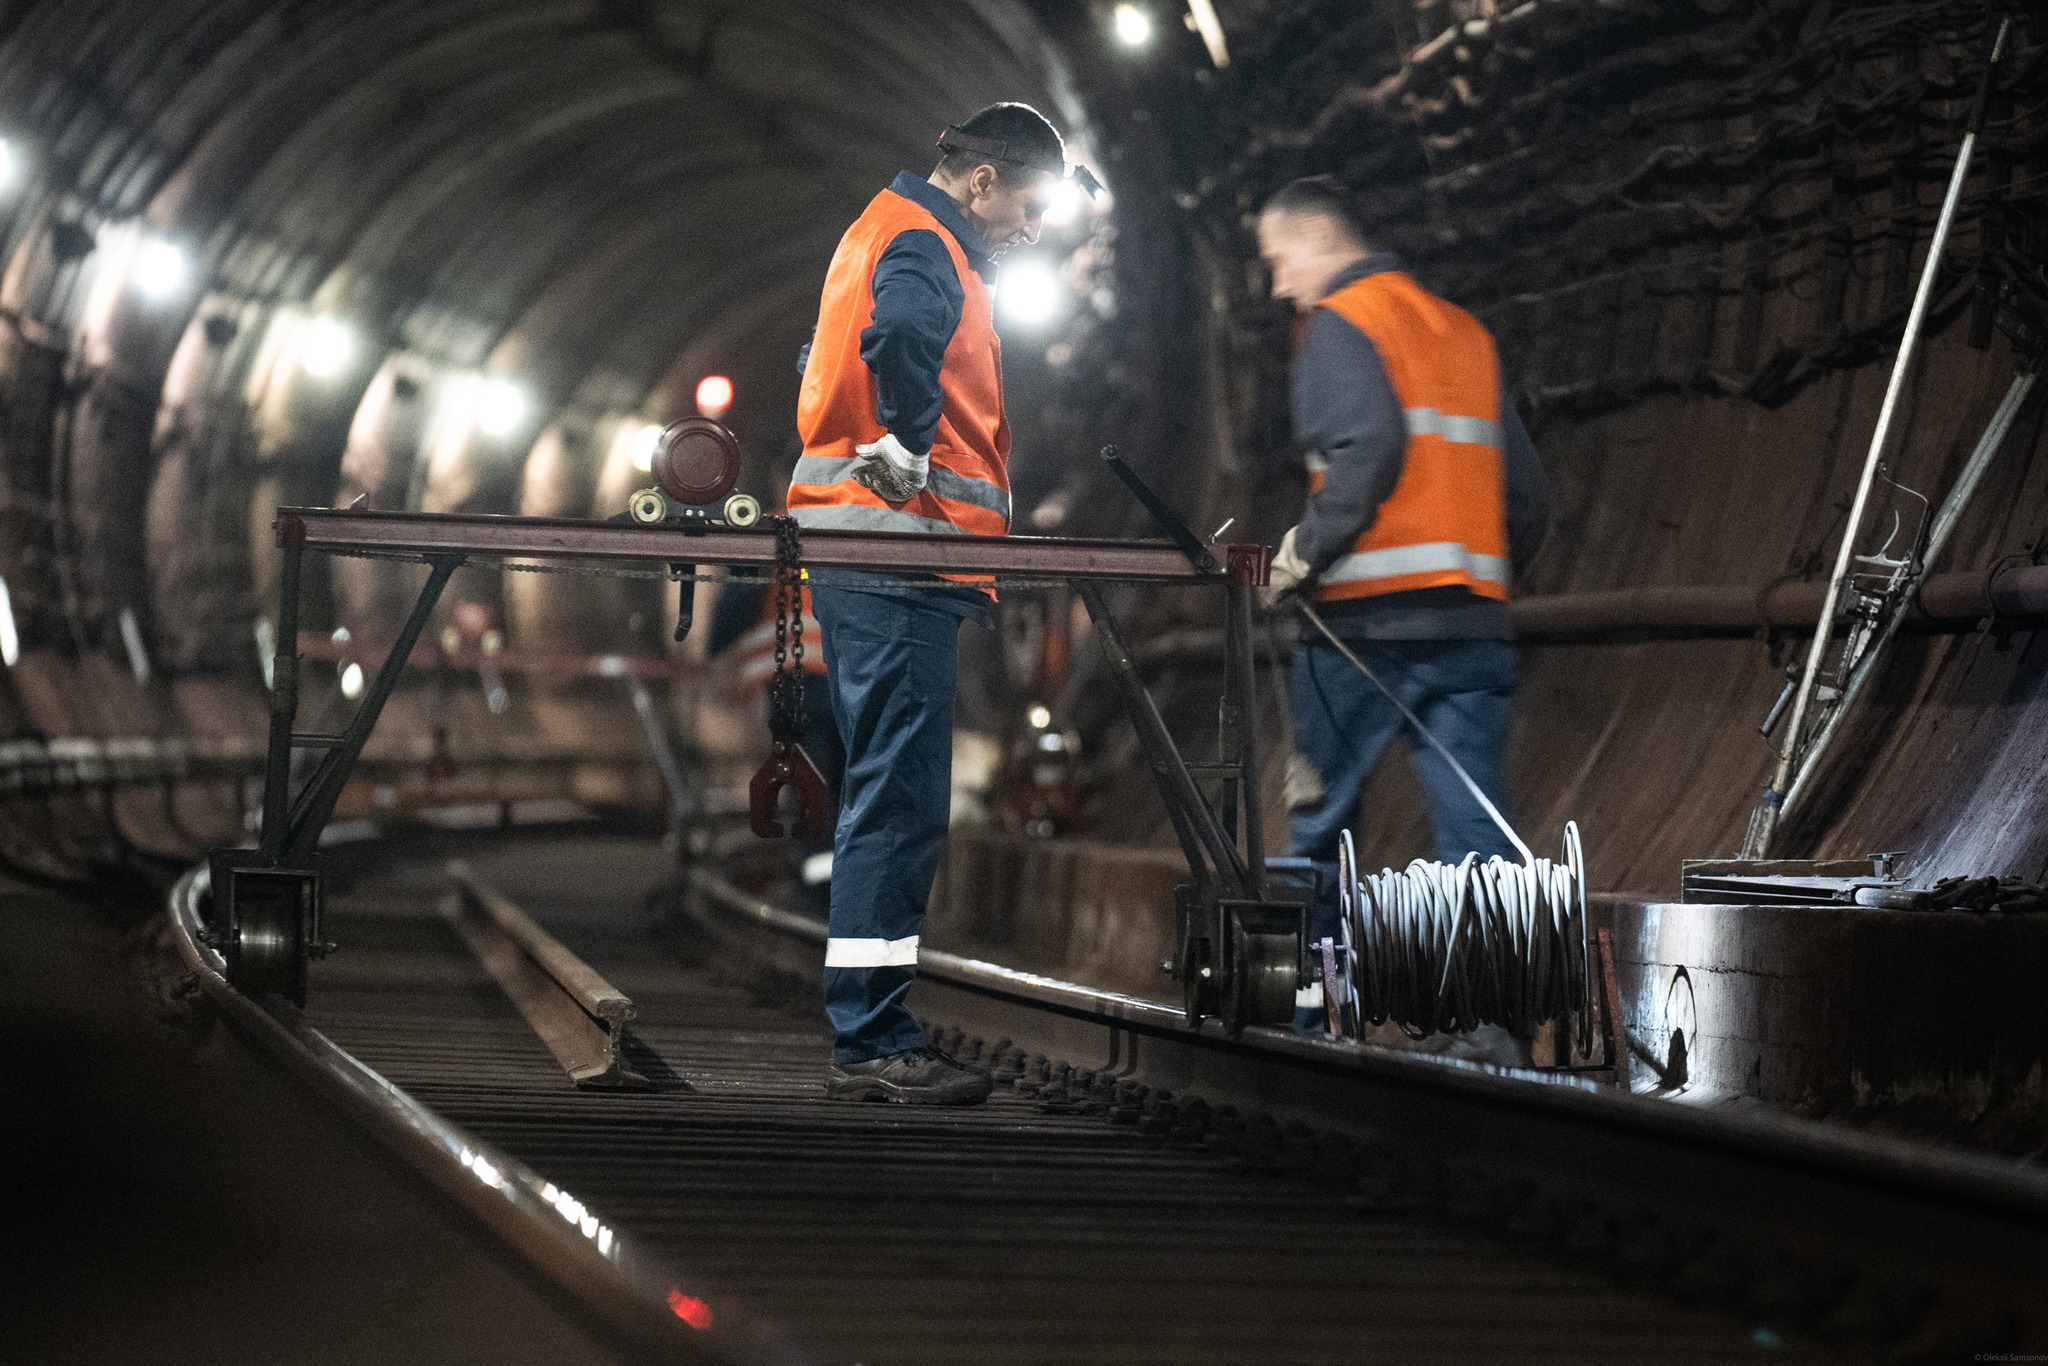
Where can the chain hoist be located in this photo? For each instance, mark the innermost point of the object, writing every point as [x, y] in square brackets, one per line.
[788, 764]
[786, 685]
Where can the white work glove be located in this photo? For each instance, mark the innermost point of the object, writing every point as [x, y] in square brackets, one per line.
[891, 471]
[1289, 572]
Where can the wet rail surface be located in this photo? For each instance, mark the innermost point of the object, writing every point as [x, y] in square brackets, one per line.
[992, 1235]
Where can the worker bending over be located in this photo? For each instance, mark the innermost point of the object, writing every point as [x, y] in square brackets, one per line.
[1424, 491]
[901, 415]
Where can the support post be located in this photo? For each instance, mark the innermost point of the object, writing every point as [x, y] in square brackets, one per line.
[310, 814]
[1201, 840]
[284, 693]
[1241, 695]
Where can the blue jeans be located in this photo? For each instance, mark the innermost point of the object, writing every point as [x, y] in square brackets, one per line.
[890, 663]
[1462, 690]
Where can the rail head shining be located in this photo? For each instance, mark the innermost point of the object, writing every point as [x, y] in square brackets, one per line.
[427, 535]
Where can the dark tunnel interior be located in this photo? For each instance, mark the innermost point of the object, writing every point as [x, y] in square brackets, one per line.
[473, 256]
[461, 257]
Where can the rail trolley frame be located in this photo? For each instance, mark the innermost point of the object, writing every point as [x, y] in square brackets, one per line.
[1239, 955]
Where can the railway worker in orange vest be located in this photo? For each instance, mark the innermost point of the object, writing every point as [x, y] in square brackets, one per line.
[901, 415]
[1425, 497]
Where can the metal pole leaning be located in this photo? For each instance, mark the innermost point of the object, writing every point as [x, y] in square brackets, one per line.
[1944, 526]
[284, 696]
[1763, 826]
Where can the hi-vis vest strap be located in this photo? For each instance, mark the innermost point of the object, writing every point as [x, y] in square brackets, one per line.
[757, 647]
[969, 488]
[1445, 524]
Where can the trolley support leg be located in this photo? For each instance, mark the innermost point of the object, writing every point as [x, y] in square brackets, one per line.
[284, 694]
[310, 814]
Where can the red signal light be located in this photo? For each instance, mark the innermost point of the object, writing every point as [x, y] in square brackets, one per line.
[714, 395]
[690, 1309]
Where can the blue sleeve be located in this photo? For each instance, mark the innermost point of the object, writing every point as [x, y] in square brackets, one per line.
[918, 301]
[1344, 411]
[803, 354]
[1528, 491]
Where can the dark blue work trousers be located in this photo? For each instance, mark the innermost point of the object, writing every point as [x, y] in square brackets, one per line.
[1462, 690]
[890, 662]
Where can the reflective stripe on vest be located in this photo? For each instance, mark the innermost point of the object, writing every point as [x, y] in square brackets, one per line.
[1445, 523]
[1478, 431]
[968, 490]
[1362, 566]
[942, 483]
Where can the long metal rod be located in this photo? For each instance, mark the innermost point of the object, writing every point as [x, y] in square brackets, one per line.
[284, 703]
[322, 793]
[1204, 844]
[1765, 826]
[1944, 526]
[1244, 684]
[426, 535]
[1315, 619]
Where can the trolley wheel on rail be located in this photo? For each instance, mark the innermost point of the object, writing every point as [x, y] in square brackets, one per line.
[647, 506]
[741, 510]
[1265, 970]
[268, 915]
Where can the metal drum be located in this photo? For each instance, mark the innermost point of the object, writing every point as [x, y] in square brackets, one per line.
[697, 461]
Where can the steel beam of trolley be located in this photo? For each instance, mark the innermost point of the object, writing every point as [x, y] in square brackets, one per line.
[1224, 852]
[426, 535]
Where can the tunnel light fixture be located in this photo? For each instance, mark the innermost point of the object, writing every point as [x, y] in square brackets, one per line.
[500, 407]
[1133, 25]
[646, 441]
[131, 639]
[266, 650]
[352, 681]
[10, 165]
[326, 347]
[159, 269]
[714, 396]
[1203, 19]
[10, 639]
[1030, 294]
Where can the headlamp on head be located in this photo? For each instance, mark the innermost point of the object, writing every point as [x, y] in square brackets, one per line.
[1000, 149]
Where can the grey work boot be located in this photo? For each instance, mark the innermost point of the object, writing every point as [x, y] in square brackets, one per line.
[923, 1076]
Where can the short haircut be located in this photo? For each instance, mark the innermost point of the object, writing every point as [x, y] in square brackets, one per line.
[1033, 140]
[1320, 196]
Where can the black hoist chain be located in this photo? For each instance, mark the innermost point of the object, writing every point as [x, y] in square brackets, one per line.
[786, 687]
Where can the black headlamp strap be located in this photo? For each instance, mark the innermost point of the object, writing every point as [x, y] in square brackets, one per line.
[998, 149]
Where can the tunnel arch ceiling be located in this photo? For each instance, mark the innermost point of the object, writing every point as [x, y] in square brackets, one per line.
[594, 199]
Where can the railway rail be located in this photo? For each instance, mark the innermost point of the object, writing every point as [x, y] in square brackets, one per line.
[1138, 1190]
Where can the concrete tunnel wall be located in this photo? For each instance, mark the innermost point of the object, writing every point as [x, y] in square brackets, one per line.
[600, 201]
[1688, 225]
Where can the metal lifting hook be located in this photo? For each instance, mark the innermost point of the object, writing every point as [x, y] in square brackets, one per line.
[789, 766]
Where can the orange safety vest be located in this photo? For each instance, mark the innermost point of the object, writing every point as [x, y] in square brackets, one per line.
[1445, 524]
[969, 487]
[757, 647]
